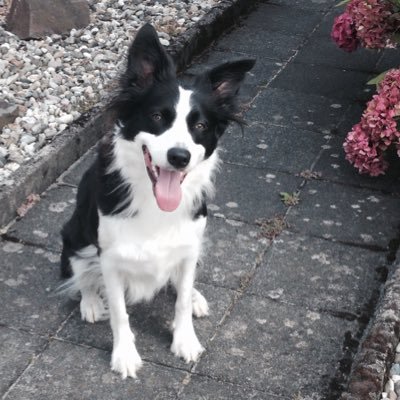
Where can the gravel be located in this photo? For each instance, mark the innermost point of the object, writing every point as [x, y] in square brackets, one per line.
[56, 79]
[392, 386]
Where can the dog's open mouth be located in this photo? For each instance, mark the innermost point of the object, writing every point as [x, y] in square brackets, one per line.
[166, 183]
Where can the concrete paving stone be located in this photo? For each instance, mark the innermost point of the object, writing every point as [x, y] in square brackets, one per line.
[348, 214]
[69, 372]
[42, 224]
[277, 348]
[260, 44]
[74, 174]
[202, 388]
[334, 167]
[151, 324]
[269, 146]
[324, 80]
[28, 279]
[325, 27]
[313, 5]
[322, 50]
[390, 59]
[351, 116]
[298, 110]
[262, 72]
[17, 349]
[231, 252]
[247, 194]
[284, 19]
[318, 274]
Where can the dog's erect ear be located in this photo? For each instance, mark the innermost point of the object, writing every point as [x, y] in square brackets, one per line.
[147, 60]
[227, 78]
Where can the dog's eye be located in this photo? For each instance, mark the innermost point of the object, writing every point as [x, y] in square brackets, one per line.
[200, 126]
[156, 117]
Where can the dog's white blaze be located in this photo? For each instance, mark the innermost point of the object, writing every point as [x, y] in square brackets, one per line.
[176, 136]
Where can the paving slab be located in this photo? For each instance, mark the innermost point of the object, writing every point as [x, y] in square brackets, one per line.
[319, 274]
[277, 348]
[17, 350]
[231, 252]
[69, 372]
[320, 5]
[321, 51]
[151, 324]
[284, 19]
[390, 59]
[43, 222]
[297, 110]
[327, 81]
[247, 194]
[28, 279]
[353, 215]
[203, 388]
[274, 147]
[271, 45]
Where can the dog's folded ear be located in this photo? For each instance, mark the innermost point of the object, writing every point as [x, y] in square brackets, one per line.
[226, 79]
[147, 60]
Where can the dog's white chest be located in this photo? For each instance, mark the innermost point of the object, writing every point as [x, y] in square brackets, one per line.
[146, 252]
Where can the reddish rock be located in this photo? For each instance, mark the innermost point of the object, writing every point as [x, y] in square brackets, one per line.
[38, 18]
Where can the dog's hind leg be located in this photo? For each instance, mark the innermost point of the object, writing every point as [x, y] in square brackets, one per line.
[199, 304]
[87, 278]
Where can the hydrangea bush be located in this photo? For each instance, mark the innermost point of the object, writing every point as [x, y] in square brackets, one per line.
[367, 142]
[373, 24]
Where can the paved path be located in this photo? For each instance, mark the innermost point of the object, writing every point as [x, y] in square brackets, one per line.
[287, 315]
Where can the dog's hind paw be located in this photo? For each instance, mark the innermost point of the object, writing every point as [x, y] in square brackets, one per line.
[93, 308]
[126, 360]
[199, 304]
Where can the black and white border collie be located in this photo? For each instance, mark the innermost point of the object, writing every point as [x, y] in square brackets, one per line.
[141, 212]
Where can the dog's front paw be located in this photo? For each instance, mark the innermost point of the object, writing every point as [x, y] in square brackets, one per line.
[186, 345]
[126, 360]
[93, 308]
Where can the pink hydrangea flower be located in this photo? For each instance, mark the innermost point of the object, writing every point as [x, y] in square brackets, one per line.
[372, 22]
[367, 142]
[344, 33]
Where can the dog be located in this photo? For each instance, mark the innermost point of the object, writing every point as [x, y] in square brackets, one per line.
[141, 207]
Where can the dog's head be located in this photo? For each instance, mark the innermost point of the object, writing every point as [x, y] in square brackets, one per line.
[177, 128]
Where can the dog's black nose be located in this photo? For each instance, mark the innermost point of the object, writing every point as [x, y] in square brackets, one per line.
[178, 157]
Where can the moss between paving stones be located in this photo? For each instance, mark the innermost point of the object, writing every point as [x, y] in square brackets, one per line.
[37, 174]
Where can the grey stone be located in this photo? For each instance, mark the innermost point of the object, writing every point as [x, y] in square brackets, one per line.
[42, 224]
[354, 215]
[38, 18]
[324, 80]
[29, 277]
[254, 192]
[203, 388]
[274, 147]
[17, 350]
[296, 110]
[151, 324]
[260, 44]
[8, 113]
[319, 274]
[230, 253]
[78, 372]
[276, 348]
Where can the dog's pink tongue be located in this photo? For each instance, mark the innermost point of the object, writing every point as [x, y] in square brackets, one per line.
[168, 190]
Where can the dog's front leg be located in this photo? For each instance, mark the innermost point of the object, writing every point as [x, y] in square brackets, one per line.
[185, 343]
[125, 359]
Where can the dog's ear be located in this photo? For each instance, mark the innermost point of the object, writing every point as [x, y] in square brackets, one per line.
[226, 79]
[147, 60]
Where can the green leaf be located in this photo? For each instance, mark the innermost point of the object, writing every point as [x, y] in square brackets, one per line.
[378, 79]
[342, 3]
